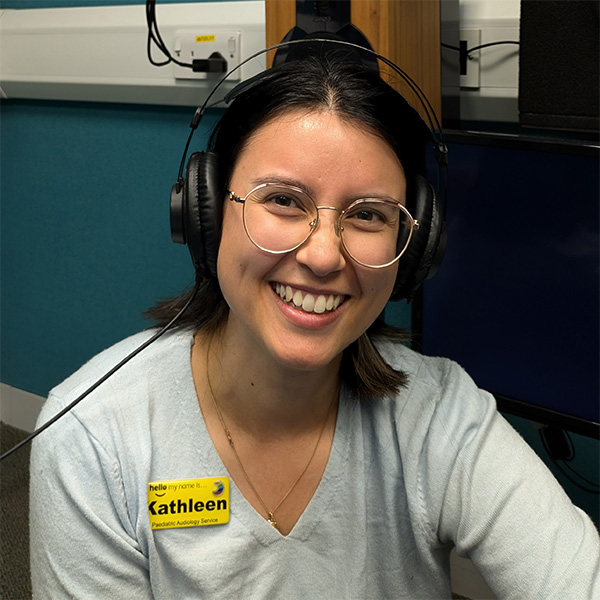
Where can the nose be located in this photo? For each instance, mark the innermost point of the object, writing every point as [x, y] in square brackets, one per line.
[323, 252]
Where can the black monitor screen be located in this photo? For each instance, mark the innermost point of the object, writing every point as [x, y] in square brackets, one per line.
[516, 300]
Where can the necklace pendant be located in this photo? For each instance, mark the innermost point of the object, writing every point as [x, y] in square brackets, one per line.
[271, 521]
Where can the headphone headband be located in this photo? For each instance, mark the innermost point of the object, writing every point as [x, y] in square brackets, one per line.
[432, 123]
[196, 198]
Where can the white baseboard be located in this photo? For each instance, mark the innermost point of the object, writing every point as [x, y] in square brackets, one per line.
[19, 408]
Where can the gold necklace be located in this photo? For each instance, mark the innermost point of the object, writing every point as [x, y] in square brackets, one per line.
[270, 513]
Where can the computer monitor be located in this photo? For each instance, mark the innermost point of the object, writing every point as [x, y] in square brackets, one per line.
[516, 300]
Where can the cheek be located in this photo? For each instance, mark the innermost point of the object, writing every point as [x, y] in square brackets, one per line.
[238, 256]
[231, 249]
[380, 284]
[229, 237]
[378, 290]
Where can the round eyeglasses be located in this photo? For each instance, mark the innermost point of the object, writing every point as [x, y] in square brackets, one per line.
[375, 232]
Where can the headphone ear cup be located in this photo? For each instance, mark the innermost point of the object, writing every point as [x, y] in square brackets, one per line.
[203, 212]
[425, 251]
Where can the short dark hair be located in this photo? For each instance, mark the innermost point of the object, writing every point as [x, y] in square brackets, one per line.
[356, 94]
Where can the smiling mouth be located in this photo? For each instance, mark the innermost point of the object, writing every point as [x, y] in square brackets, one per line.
[310, 303]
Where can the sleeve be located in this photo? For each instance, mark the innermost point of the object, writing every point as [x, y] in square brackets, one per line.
[503, 508]
[83, 543]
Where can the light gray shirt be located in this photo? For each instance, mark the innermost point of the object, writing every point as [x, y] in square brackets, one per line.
[408, 478]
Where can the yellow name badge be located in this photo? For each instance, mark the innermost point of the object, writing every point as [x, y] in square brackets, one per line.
[188, 502]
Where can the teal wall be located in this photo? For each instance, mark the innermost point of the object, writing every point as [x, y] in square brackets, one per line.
[85, 229]
[85, 240]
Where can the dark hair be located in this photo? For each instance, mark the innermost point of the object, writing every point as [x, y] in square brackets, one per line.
[356, 94]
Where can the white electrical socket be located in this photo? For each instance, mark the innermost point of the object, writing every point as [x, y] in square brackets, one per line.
[194, 44]
[472, 37]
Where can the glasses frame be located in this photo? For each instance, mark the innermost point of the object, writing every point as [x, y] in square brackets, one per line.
[314, 224]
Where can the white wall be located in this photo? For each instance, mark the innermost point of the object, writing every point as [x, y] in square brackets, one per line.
[496, 97]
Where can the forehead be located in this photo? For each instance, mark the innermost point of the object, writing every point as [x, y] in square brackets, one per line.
[317, 147]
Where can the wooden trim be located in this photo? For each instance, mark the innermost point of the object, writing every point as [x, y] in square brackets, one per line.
[408, 32]
[280, 17]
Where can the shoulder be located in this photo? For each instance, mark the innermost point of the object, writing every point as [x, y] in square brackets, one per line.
[430, 377]
[132, 365]
[441, 406]
[137, 347]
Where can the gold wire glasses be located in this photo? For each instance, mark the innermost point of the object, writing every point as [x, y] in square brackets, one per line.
[375, 232]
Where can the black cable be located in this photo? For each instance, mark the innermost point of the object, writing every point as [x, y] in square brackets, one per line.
[564, 472]
[110, 373]
[154, 36]
[572, 457]
[571, 446]
[488, 45]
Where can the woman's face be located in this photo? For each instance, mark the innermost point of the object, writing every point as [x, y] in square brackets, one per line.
[337, 163]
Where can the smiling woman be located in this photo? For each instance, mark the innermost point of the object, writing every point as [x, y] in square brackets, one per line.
[329, 109]
[328, 459]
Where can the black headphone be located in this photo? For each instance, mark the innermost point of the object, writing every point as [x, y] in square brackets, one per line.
[197, 200]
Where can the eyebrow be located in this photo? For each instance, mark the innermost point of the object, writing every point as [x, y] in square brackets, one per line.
[281, 180]
[284, 180]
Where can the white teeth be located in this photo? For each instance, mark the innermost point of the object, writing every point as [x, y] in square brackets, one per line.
[308, 303]
[297, 298]
[320, 305]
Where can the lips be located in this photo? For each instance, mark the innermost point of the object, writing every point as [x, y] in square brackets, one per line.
[310, 303]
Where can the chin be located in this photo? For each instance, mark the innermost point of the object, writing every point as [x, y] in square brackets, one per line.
[308, 357]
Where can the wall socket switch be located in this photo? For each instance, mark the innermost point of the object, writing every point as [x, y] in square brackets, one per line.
[469, 77]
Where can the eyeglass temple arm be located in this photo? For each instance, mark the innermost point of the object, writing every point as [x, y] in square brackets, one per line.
[235, 198]
[416, 224]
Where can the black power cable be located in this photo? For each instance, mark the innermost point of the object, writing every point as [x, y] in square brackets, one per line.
[488, 45]
[154, 36]
[465, 52]
[215, 63]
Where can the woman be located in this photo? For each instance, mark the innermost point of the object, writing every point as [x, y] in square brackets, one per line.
[281, 443]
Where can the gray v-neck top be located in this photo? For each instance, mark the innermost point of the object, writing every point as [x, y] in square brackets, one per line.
[409, 477]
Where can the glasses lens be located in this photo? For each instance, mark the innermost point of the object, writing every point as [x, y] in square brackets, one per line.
[278, 218]
[375, 232]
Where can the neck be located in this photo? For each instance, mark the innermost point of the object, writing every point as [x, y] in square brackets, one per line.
[259, 397]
